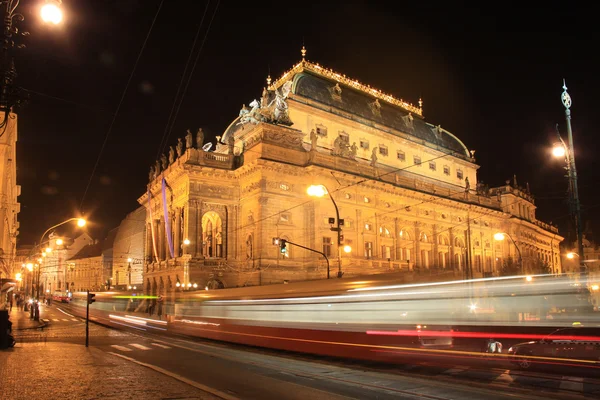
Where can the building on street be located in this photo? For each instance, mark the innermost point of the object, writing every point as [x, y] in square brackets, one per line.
[406, 191]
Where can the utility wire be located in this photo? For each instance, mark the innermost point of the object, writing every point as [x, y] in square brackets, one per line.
[119, 105]
[170, 120]
[190, 76]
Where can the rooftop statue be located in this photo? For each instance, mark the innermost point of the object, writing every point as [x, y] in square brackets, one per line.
[151, 174]
[275, 111]
[179, 147]
[340, 147]
[374, 157]
[313, 140]
[163, 161]
[188, 139]
[171, 155]
[157, 168]
[199, 138]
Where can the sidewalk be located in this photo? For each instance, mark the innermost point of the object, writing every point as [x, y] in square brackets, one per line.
[21, 321]
[38, 368]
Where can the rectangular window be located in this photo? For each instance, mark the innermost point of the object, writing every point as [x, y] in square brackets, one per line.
[383, 150]
[284, 217]
[327, 246]
[432, 166]
[401, 155]
[459, 174]
[417, 160]
[369, 250]
[364, 144]
[446, 170]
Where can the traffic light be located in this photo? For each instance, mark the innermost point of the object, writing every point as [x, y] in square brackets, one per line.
[91, 298]
[282, 246]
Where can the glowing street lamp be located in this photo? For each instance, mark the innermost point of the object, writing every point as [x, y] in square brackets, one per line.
[347, 249]
[568, 154]
[571, 255]
[558, 150]
[51, 12]
[59, 242]
[500, 236]
[48, 250]
[320, 191]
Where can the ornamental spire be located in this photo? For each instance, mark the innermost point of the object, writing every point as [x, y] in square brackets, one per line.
[303, 52]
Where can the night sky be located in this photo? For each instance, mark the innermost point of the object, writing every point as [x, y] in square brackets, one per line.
[492, 76]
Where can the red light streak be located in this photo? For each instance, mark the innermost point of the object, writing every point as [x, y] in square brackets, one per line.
[483, 335]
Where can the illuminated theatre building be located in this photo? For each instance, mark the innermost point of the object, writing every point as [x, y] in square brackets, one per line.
[406, 191]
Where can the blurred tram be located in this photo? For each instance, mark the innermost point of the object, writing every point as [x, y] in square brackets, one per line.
[371, 317]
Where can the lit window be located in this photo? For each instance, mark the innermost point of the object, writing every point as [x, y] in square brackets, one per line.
[401, 155]
[417, 160]
[367, 200]
[368, 227]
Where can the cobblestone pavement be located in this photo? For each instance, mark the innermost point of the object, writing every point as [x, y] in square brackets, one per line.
[55, 364]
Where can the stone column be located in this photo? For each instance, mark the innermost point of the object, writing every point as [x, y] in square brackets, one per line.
[177, 239]
[451, 249]
[417, 245]
[161, 239]
[436, 248]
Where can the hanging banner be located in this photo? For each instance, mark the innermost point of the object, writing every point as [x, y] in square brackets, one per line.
[152, 225]
[168, 231]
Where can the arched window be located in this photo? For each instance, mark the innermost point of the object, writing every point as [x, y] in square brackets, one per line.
[212, 235]
[443, 240]
[384, 232]
[424, 237]
[404, 235]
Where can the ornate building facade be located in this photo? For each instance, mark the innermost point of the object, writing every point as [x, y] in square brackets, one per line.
[9, 192]
[406, 190]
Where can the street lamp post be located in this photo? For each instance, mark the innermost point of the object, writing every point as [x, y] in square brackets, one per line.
[500, 236]
[567, 150]
[80, 222]
[320, 191]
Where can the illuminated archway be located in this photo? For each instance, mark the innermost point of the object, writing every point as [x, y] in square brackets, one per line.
[212, 235]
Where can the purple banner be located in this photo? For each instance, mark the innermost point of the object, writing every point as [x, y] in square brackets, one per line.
[167, 219]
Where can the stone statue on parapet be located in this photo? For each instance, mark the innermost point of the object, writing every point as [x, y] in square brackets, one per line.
[163, 161]
[374, 157]
[171, 155]
[179, 147]
[199, 138]
[157, 168]
[189, 141]
[353, 151]
[264, 100]
[467, 185]
[151, 174]
[313, 140]
[340, 147]
[273, 111]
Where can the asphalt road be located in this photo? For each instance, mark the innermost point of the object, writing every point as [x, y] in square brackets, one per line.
[238, 372]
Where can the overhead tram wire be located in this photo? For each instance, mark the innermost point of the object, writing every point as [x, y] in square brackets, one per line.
[170, 120]
[164, 146]
[112, 123]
